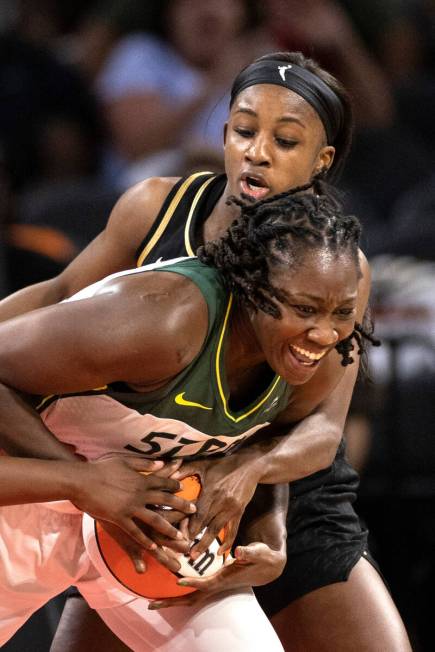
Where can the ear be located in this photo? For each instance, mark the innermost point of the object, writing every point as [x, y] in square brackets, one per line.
[225, 132]
[324, 159]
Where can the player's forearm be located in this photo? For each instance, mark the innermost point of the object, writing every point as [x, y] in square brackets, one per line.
[30, 298]
[308, 447]
[264, 519]
[30, 480]
[22, 433]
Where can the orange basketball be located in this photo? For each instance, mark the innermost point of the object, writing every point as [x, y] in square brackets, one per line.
[157, 581]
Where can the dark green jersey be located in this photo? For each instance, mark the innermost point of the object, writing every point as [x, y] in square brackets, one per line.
[190, 416]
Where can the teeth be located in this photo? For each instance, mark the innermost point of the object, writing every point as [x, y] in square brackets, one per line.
[307, 354]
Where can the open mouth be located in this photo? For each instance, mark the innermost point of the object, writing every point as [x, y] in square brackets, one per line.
[305, 357]
[254, 187]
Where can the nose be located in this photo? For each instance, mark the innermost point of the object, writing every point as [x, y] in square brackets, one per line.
[323, 334]
[258, 152]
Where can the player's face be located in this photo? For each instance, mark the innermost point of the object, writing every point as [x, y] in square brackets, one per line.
[274, 141]
[319, 312]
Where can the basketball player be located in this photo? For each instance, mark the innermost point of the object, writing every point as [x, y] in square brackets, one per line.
[200, 355]
[289, 122]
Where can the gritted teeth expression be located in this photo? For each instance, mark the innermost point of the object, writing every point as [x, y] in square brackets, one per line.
[314, 357]
[319, 312]
[274, 140]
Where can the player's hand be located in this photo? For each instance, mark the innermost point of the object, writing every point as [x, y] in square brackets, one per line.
[227, 486]
[136, 551]
[117, 491]
[254, 565]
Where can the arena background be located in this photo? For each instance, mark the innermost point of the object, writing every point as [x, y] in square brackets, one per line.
[81, 120]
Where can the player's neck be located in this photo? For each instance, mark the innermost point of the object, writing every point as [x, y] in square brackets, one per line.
[219, 219]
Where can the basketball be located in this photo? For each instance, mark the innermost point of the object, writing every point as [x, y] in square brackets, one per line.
[157, 582]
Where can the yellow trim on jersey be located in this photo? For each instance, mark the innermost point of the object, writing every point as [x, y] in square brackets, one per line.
[196, 199]
[47, 398]
[168, 215]
[44, 400]
[219, 379]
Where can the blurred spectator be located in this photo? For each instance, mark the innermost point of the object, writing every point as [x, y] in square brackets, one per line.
[165, 90]
[40, 96]
[322, 29]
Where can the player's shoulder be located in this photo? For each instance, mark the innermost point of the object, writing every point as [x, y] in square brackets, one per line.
[137, 208]
[147, 196]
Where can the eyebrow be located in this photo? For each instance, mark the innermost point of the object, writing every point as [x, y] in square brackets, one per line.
[313, 297]
[284, 118]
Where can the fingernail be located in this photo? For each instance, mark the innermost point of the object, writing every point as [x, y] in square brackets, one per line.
[192, 507]
[179, 535]
[140, 566]
[183, 583]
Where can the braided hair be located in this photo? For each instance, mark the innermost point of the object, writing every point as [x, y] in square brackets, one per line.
[281, 230]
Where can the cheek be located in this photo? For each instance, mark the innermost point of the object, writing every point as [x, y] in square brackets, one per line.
[298, 168]
[345, 330]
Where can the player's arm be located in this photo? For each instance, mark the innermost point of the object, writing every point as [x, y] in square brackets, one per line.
[124, 334]
[112, 250]
[82, 344]
[111, 490]
[130, 331]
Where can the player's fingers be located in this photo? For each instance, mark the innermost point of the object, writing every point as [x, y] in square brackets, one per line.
[142, 464]
[155, 482]
[135, 548]
[176, 545]
[213, 531]
[183, 526]
[210, 584]
[170, 468]
[157, 522]
[201, 519]
[187, 469]
[181, 601]
[170, 500]
[166, 558]
[229, 534]
[246, 555]
[173, 516]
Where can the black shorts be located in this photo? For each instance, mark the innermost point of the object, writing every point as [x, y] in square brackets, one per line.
[325, 538]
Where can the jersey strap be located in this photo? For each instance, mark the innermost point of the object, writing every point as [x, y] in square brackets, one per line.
[184, 188]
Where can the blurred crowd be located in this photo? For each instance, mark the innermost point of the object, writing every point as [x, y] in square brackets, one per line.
[96, 96]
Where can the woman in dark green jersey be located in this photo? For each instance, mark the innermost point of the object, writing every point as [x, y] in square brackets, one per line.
[276, 138]
[257, 314]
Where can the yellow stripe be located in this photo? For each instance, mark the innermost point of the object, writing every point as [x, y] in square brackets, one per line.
[44, 400]
[196, 199]
[47, 398]
[219, 380]
[167, 216]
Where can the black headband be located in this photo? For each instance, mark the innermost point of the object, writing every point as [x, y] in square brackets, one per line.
[301, 81]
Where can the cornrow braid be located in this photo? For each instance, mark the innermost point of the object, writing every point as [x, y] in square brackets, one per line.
[280, 230]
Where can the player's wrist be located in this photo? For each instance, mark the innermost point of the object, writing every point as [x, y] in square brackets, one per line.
[75, 480]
